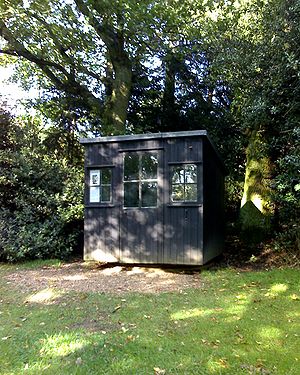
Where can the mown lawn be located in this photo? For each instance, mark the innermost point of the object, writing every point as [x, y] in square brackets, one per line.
[238, 323]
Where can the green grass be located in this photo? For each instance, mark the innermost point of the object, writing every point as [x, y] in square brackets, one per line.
[238, 323]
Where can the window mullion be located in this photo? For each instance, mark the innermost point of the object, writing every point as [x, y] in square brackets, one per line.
[140, 181]
[100, 185]
[184, 185]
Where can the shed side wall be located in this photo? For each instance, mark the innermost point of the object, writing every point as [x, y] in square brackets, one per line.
[213, 209]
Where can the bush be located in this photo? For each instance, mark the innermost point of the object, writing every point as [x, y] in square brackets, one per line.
[287, 194]
[41, 199]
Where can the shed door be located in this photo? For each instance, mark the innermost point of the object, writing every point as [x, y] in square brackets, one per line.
[141, 213]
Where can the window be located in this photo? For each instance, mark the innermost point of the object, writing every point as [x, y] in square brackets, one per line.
[100, 185]
[184, 183]
[140, 180]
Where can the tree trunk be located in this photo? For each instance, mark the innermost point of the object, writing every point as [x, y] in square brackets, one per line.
[115, 113]
[169, 113]
[256, 206]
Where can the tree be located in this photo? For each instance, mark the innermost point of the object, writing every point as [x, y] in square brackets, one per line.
[86, 52]
[260, 60]
[79, 48]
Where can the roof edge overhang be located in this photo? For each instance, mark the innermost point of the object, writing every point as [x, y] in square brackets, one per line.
[146, 136]
[149, 136]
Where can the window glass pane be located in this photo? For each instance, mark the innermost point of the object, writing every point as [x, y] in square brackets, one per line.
[94, 177]
[149, 194]
[191, 192]
[105, 193]
[191, 173]
[184, 183]
[105, 176]
[94, 194]
[131, 167]
[177, 175]
[178, 193]
[131, 194]
[149, 167]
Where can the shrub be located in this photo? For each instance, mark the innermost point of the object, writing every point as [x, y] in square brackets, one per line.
[41, 199]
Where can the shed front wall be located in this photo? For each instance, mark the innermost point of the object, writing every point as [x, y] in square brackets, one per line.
[183, 222]
[171, 233]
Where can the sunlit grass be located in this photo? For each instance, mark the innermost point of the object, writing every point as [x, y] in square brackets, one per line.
[238, 323]
[45, 296]
[61, 345]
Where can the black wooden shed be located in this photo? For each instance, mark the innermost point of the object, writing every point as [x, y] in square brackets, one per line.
[153, 198]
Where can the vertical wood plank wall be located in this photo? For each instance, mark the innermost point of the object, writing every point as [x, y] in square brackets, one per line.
[185, 233]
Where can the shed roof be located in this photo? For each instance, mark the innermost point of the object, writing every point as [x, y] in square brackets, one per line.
[148, 136]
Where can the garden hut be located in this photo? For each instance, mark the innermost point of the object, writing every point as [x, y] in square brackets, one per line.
[153, 198]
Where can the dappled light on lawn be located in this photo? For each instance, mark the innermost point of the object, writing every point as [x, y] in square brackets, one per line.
[186, 314]
[278, 288]
[77, 277]
[60, 345]
[268, 334]
[45, 296]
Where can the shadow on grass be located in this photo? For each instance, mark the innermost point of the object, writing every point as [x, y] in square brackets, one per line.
[241, 323]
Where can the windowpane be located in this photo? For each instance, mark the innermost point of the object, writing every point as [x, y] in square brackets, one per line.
[105, 193]
[149, 194]
[131, 167]
[191, 192]
[149, 167]
[191, 173]
[177, 175]
[100, 185]
[106, 176]
[140, 179]
[178, 193]
[131, 194]
[94, 177]
[94, 194]
[184, 183]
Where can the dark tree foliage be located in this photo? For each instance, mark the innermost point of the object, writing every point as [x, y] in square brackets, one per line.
[40, 196]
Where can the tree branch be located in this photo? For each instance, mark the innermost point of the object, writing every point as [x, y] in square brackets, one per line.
[62, 49]
[112, 39]
[21, 51]
[69, 84]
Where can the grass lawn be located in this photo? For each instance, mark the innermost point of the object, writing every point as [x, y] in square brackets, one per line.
[238, 323]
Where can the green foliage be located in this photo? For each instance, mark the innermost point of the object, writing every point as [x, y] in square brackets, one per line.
[41, 199]
[287, 193]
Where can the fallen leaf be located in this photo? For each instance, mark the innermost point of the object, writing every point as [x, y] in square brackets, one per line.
[223, 362]
[78, 361]
[116, 308]
[159, 371]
